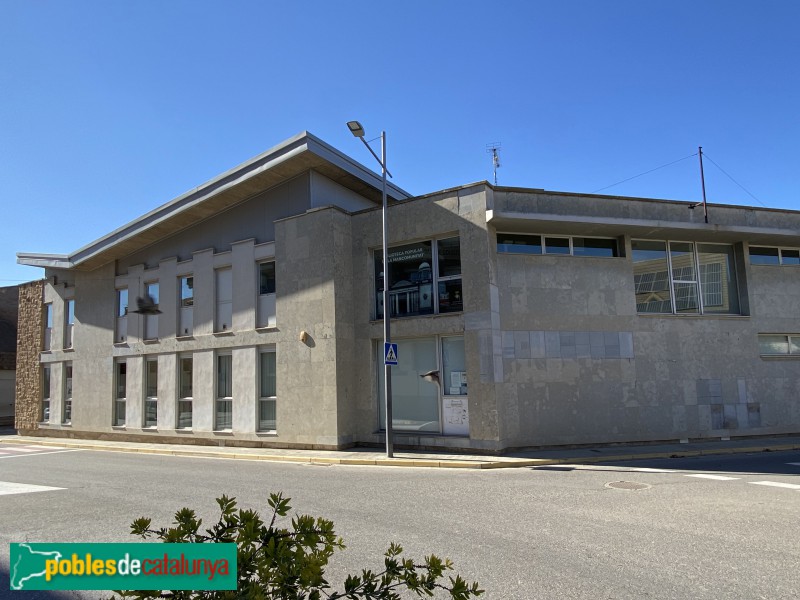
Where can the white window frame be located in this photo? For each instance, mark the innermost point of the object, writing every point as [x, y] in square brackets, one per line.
[266, 400]
[222, 399]
[791, 339]
[150, 400]
[184, 399]
[66, 416]
[69, 322]
[48, 326]
[120, 401]
[47, 392]
[697, 281]
[121, 320]
[266, 307]
[185, 313]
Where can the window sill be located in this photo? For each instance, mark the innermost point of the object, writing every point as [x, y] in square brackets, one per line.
[184, 430]
[455, 313]
[226, 333]
[779, 356]
[184, 338]
[223, 432]
[271, 433]
[67, 424]
[267, 328]
[70, 349]
[151, 341]
[151, 428]
[121, 344]
[119, 427]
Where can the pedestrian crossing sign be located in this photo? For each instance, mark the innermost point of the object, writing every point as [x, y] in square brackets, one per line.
[390, 354]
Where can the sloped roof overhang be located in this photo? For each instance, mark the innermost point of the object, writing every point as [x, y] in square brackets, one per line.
[288, 159]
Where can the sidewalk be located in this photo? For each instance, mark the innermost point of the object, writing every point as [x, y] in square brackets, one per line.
[375, 457]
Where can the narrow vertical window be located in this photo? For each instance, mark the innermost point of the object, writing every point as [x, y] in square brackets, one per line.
[684, 277]
[67, 417]
[121, 333]
[186, 315]
[224, 294]
[185, 393]
[151, 393]
[450, 294]
[151, 320]
[267, 393]
[69, 322]
[266, 294]
[120, 392]
[48, 325]
[46, 379]
[223, 418]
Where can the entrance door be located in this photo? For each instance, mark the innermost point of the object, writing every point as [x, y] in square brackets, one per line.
[415, 402]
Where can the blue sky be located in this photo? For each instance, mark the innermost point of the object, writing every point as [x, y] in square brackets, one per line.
[109, 109]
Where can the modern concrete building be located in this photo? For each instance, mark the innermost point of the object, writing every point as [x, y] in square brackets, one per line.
[552, 318]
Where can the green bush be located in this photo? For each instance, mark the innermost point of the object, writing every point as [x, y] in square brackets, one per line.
[289, 563]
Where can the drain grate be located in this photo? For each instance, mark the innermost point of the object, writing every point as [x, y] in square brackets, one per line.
[628, 485]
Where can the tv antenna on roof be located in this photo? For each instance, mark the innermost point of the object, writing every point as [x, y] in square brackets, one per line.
[492, 149]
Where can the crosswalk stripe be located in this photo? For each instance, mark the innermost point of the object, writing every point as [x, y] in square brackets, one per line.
[714, 477]
[7, 488]
[43, 453]
[788, 486]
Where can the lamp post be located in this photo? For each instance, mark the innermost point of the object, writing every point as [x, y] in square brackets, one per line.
[358, 131]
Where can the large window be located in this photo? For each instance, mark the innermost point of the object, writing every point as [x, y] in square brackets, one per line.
[424, 278]
[223, 416]
[151, 392]
[523, 243]
[224, 294]
[186, 310]
[760, 255]
[121, 333]
[48, 325]
[120, 392]
[185, 393]
[69, 322]
[151, 320]
[67, 416]
[684, 278]
[266, 294]
[46, 392]
[267, 391]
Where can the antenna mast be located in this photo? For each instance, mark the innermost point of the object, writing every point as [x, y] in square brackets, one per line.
[493, 150]
[703, 182]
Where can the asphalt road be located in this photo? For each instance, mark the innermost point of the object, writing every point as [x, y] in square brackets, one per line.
[544, 533]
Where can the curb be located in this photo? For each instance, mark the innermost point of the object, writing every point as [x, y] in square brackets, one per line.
[411, 462]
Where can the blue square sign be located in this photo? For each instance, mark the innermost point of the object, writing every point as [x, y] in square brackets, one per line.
[389, 354]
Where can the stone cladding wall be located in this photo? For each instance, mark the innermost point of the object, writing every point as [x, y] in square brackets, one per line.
[30, 336]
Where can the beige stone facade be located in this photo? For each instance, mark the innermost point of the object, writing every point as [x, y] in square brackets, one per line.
[30, 335]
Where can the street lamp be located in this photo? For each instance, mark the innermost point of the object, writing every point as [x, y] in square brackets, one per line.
[358, 131]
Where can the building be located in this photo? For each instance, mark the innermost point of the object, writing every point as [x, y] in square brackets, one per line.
[8, 352]
[553, 318]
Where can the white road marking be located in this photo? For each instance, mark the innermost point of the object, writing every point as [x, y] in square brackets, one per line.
[794, 464]
[714, 477]
[7, 488]
[651, 470]
[788, 486]
[44, 452]
[18, 449]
